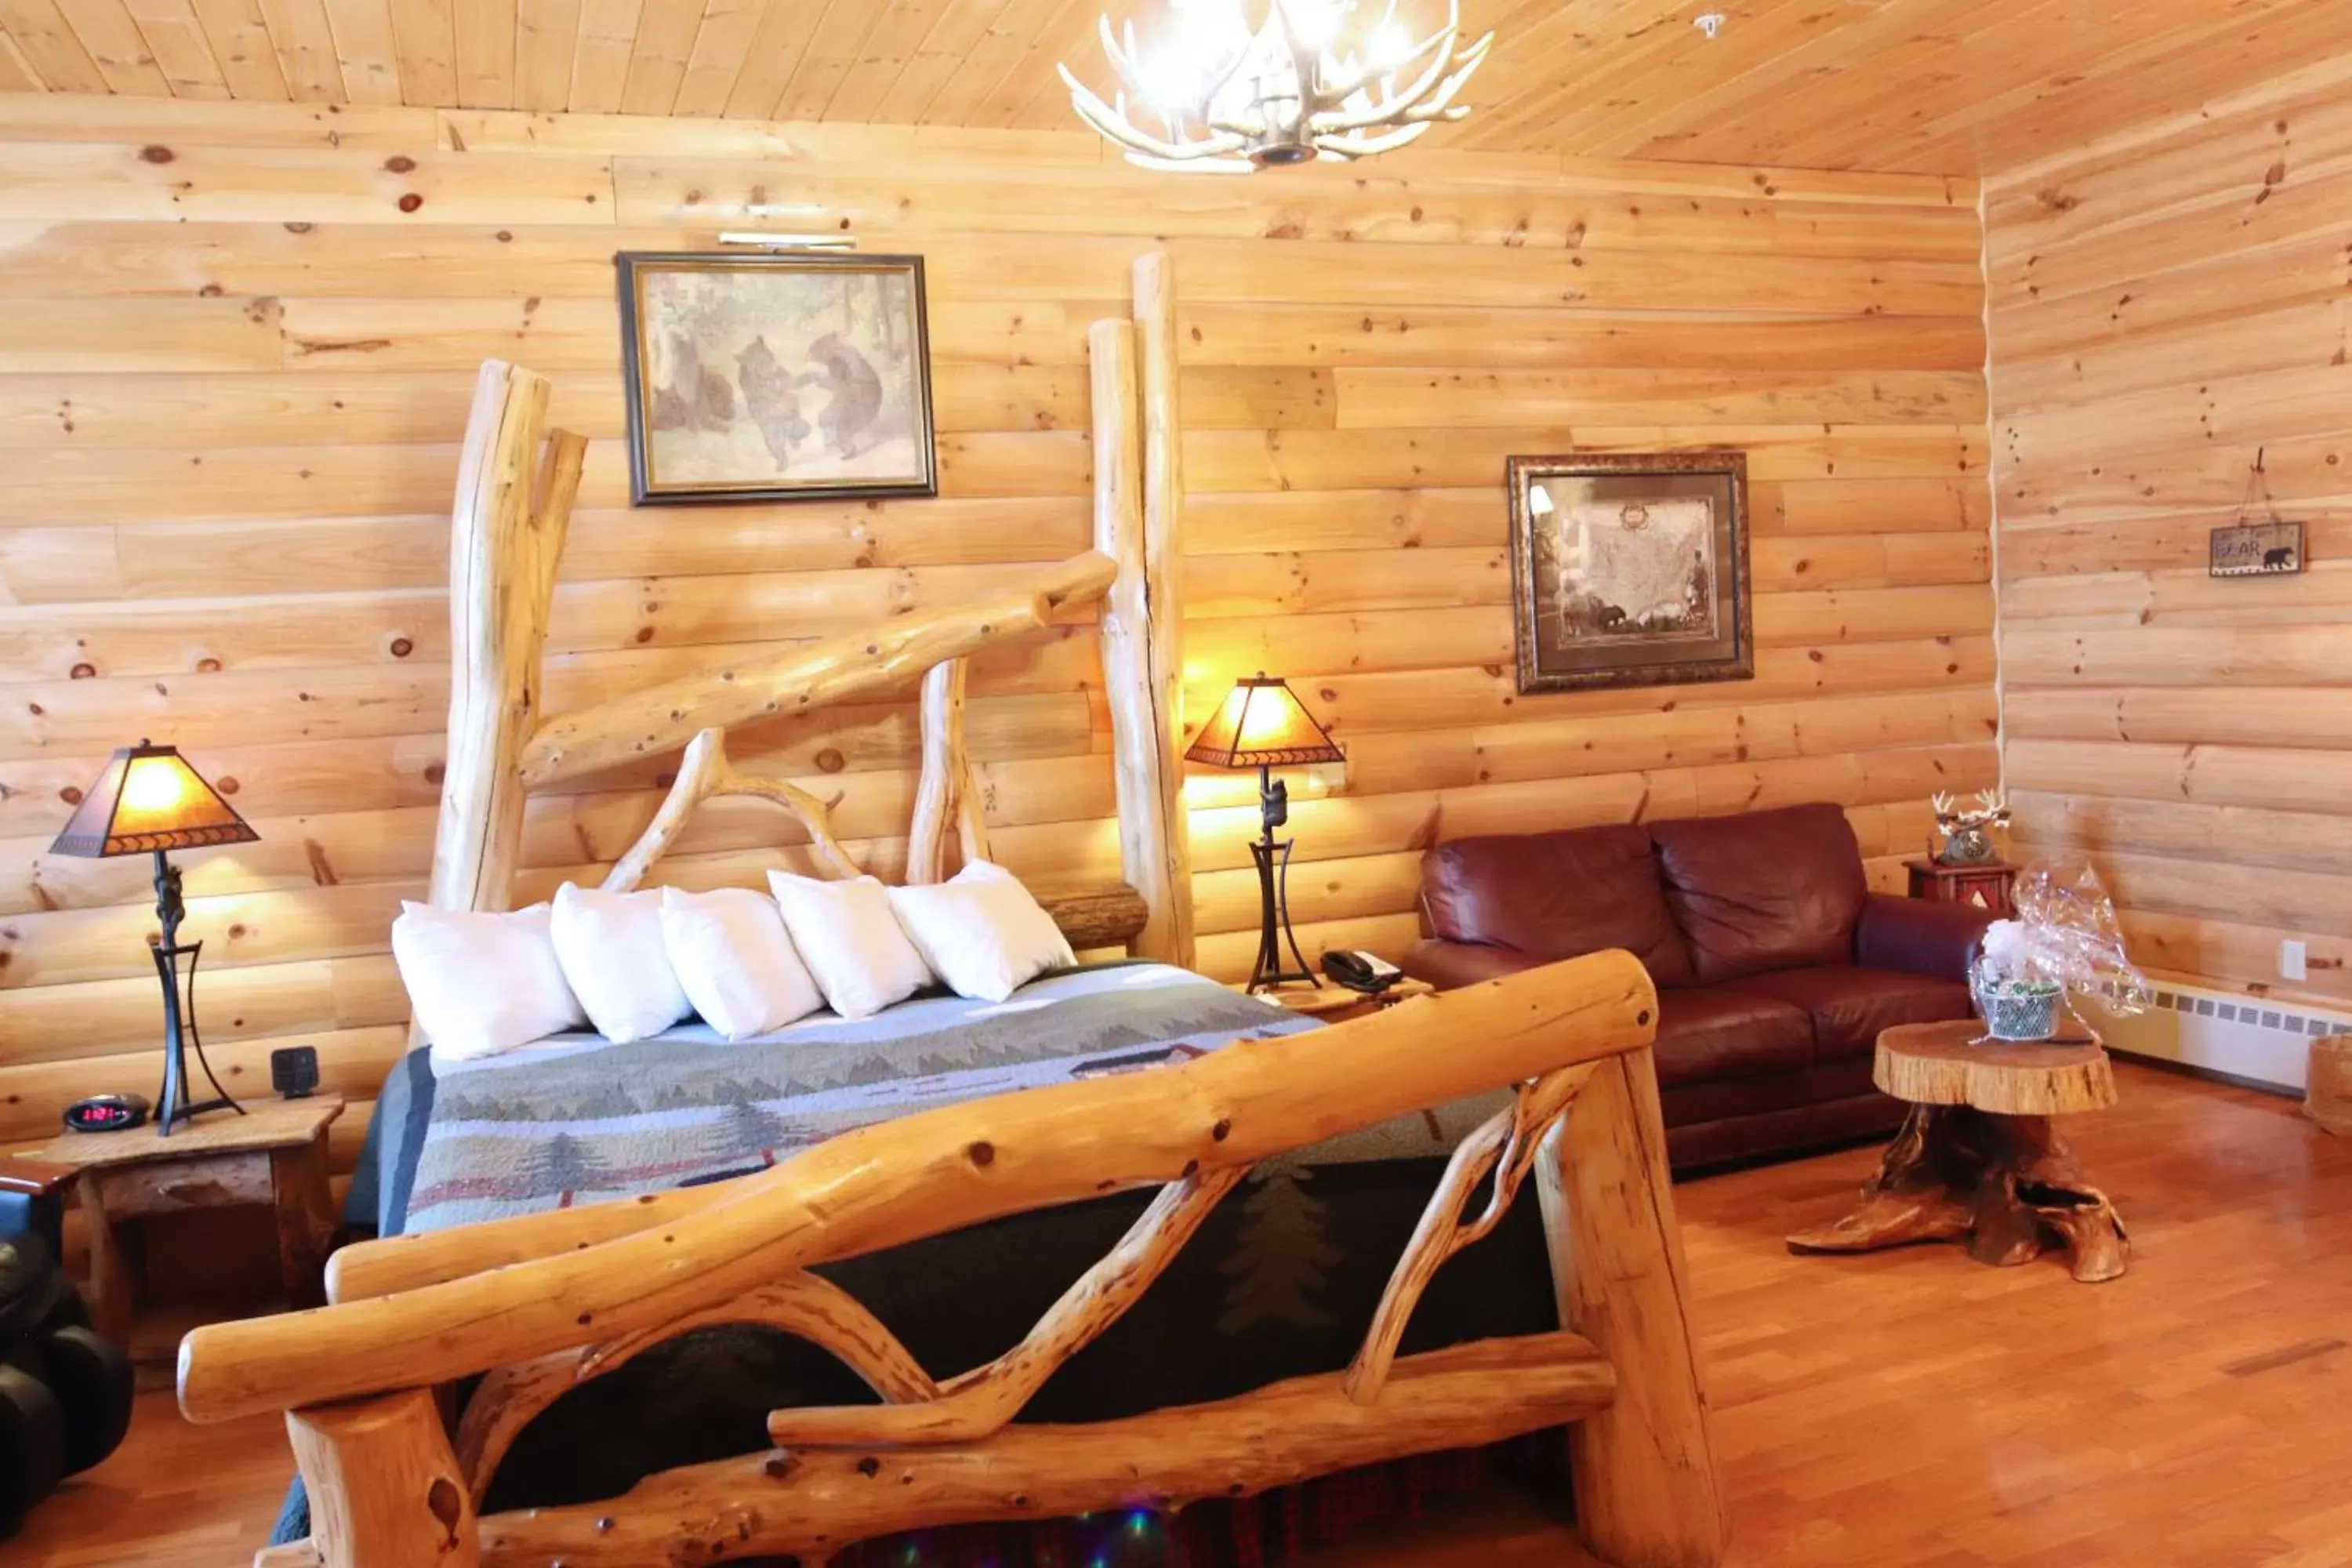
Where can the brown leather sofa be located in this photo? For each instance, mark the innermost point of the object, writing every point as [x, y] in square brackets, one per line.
[1776, 965]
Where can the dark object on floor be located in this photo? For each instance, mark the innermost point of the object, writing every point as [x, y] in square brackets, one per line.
[106, 1113]
[1776, 964]
[294, 1071]
[65, 1393]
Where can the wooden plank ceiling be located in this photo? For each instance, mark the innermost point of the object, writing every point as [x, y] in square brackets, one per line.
[1933, 86]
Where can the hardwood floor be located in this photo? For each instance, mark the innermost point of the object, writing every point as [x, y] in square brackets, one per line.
[1906, 1410]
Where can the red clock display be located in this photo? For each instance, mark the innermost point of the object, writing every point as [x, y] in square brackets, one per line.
[106, 1113]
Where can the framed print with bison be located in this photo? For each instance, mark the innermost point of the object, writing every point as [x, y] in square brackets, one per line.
[1630, 569]
[775, 377]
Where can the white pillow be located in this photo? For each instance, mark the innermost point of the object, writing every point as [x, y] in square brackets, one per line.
[851, 943]
[611, 948]
[981, 932]
[735, 962]
[482, 983]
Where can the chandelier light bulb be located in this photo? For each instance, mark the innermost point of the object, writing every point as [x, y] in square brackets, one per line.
[1390, 46]
[1314, 23]
[1317, 80]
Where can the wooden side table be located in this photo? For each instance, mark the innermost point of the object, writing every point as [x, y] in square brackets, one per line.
[1987, 886]
[274, 1154]
[1335, 1004]
[1978, 1160]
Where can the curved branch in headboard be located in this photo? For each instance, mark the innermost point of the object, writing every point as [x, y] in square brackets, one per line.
[704, 772]
[946, 795]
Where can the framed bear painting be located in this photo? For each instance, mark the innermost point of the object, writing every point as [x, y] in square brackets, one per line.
[1630, 569]
[775, 377]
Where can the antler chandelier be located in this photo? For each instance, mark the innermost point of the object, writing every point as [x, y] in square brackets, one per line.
[1310, 82]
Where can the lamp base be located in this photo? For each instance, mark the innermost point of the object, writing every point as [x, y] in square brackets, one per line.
[171, 1106]
[183, 1115]
[1274, 918]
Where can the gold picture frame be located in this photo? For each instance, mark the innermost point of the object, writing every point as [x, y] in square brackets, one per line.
[776, 377]
[1630, 569]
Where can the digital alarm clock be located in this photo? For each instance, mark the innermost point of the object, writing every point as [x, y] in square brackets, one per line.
[106, 1113]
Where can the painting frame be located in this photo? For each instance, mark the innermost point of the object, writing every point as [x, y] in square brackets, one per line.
[649, 485]
[1555, 654]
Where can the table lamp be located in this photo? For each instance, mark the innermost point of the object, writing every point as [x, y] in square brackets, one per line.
[1263, 725]
[147, 802]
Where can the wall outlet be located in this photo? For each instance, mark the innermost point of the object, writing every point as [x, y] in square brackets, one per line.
[2294, 962]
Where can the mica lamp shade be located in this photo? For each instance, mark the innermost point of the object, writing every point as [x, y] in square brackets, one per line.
[1263, 725]
[150, 800]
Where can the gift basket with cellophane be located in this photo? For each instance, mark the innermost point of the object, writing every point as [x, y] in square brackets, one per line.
[2064, 943]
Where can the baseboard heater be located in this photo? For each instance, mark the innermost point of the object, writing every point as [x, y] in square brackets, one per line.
[2266, 1044]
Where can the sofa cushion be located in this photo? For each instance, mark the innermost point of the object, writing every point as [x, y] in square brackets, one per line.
[1769, 889]
[1848, 1006]
[1706, 1035]
[1556, 895]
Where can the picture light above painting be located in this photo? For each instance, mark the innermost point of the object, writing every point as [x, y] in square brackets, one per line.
[776, 378]
[1630, 569]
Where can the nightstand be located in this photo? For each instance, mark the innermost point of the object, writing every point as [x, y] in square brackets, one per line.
[274, 1155]
[1335, 1004]
[1986, 884]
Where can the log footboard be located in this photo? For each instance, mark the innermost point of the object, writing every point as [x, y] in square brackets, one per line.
[545, 1302]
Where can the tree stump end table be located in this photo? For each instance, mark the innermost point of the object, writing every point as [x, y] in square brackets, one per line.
[1978, 1160]
[275, 1155]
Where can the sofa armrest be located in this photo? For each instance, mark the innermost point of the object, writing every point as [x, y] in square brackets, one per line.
[33, 1178]
[32, 1200]
[1450, 966]
[1919, 936]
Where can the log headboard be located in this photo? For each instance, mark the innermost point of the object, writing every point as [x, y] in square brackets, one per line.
[516, 482]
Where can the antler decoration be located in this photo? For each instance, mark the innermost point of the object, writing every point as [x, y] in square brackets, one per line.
[1233, 101]
[1992, 811]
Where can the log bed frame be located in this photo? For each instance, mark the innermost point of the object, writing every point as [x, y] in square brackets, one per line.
[540, 1303]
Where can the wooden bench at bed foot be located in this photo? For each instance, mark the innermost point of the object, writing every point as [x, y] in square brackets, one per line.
[542, 1303]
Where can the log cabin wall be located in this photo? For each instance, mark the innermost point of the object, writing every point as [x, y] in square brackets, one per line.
[241, 341]
[2165, 304]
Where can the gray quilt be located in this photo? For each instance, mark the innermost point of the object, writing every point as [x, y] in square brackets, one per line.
[577, 1119]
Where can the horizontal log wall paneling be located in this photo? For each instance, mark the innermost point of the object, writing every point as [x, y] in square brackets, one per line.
[2164, 305]
[234, 395]
[1354, 539]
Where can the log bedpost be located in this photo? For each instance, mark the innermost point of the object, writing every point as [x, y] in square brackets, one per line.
[1648, 1492]
[1145, 599]
[506, 538]
[384, 1484]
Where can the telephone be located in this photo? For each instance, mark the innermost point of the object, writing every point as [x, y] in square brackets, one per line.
[1360, 971]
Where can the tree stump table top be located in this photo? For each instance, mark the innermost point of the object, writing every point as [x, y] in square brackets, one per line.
[1941, 1064]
